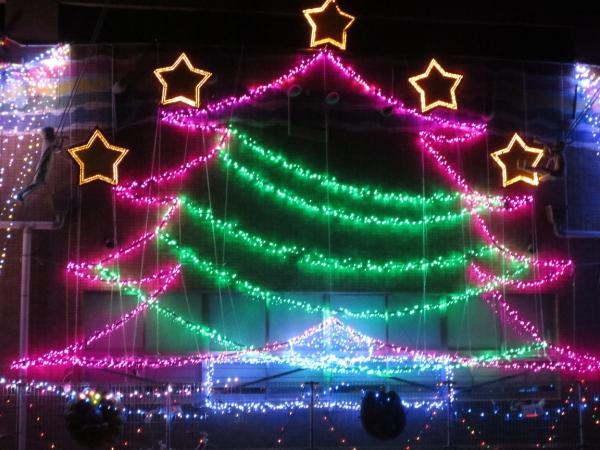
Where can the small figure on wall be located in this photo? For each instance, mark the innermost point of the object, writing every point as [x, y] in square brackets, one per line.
[160, 446]
[555, 164]
[50, 145]
[202, 441]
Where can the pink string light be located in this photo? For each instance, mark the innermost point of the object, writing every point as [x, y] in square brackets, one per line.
[518, 324]
[80, 268]
[197, 119]
[68, 355]
[130, 191]
[189, 117]
[559, 265]
[510, 203]
[566, 358]
[487, 278]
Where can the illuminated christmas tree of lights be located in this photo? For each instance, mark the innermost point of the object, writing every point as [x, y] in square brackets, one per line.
[252, 213]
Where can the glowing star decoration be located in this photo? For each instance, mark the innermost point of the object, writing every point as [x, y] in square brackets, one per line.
[181, 82]
[437, 87]
[510, 157]
[98, 160]
[329, 24]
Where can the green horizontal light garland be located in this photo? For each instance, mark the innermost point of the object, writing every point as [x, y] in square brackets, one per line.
[356, 192]
[320, 260]
[260, 182]
[464, 363]
[225, 277]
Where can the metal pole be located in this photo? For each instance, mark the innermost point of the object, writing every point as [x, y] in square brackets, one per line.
[449, 408]
[168, 430]
[24, 335]
[580, 419]
[25, 278]
[312, 414]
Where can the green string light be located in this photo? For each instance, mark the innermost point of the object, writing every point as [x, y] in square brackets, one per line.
[225, 277]
[255, 292]
[202, 330]
[412, 204]
[317, 259]
[260, 182]
[355, 192]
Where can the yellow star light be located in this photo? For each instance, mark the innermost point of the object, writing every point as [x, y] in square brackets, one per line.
[440, 74]
[329, 24]
[98, 160]
[508, 159]
[182, 85]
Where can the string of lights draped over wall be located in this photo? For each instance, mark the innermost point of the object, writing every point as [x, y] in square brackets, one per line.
[379, 216]
[341, 223]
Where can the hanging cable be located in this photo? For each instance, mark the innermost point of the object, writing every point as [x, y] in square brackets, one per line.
[566, 198]
[327, 196]
[181, 276]
[213, 231]
[582, 114]
[424, 251]
[225, 208]
[93, 40]
[467, 279]
[534, 236]
[487, 107]
[64, 117]
[114, 228]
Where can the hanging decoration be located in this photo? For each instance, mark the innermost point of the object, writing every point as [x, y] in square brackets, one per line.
[382, 414]
[436, 87]
[329, 25]
[181, 82]
[514, 160]
[94, 418]
[98, 160]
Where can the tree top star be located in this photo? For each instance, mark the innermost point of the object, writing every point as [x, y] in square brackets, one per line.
[329, 24]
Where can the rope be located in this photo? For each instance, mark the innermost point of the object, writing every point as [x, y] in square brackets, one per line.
[489, 189]
[466, 278]
[424, 251]
[114, 218]
[327, 193]
[183, 284]
[566, 199]
[534, 235]
[583, 112]
[61, 124]
[82, 69]
[467, 282]
[225, 206]
[213, 232]
[69, 235]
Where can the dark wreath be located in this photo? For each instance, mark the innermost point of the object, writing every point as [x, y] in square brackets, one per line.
[94, 418]
[382, 414]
